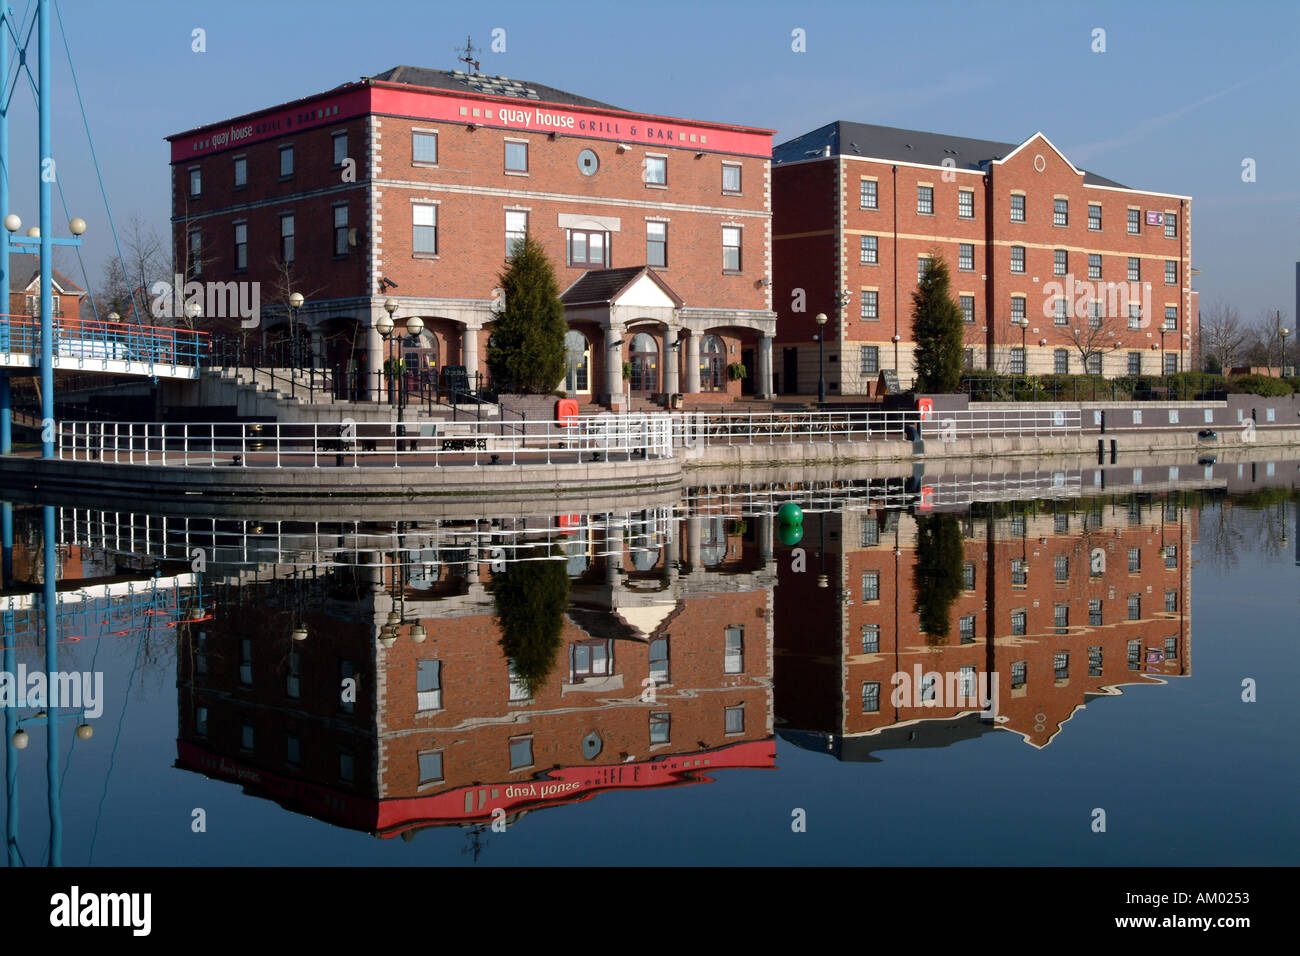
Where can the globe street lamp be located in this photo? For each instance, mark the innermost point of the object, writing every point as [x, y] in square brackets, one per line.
[1284, 333]
[821, 368]
[295, 303]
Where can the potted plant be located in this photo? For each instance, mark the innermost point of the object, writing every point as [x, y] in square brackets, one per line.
[627, 371]
[736, 371]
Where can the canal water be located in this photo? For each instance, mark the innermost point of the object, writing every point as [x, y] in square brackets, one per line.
[971, 672]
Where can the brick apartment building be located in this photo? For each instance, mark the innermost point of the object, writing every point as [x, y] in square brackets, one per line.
[1036, 607]
[415, 183]
[860, 210]
[442, 731]
[25, 291]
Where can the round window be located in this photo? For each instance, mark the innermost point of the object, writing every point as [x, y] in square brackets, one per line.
[588, 162]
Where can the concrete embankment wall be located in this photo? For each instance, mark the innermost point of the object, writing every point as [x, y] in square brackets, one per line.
[1084, 444]
[562, 483]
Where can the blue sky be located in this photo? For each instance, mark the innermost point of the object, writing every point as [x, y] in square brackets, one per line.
[1183, 93]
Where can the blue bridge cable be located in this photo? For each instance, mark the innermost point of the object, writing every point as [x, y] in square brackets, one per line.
[99, 175]
[112, 757]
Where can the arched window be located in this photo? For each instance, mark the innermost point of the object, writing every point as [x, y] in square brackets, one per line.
[644, 356]
[577, 355]
[713, 362]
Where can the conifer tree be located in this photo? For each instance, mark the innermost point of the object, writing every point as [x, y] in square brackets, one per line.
[937, 331]
[525, 352]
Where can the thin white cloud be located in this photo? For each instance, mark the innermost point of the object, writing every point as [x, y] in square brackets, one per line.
[1084, 153]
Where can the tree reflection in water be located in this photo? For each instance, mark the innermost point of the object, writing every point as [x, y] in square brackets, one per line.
[938, 572]
[530, 597]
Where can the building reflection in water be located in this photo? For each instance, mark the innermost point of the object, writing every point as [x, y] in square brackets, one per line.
[1061, 601]
[391, 677]
[474, 671]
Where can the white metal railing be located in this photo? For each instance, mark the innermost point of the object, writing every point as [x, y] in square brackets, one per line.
[692, 429]
[353, 444]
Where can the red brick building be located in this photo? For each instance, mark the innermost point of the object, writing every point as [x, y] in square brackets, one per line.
[25, 291]
[860, 210]
[414, 184]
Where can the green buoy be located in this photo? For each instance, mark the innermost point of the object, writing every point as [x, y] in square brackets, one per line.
[789, 513]
[790, 534]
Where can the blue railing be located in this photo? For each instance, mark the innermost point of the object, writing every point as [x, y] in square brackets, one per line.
[95, 340]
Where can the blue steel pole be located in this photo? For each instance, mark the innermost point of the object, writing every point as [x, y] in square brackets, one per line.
[6, 437]
[48, 172]
[11, 717]
[51, 675]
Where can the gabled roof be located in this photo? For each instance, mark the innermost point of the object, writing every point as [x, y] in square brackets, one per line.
[603, 286]
[458, 81]
[904, 146]
[25, 268]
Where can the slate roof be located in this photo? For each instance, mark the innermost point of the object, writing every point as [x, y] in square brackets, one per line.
[24, 268]
[902, 145]
[600, 286]
[458, 81]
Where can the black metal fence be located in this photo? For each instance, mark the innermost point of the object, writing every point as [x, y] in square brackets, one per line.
[1093, 388]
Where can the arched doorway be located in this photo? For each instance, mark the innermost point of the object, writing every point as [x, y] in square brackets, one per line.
[420, 356]
[713, 364]
[644, 357]
[577, 356]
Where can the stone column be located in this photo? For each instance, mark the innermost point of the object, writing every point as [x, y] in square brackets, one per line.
[672, 546]
[614, 367]
[693, 550]
[469, 352]
[693, 363]
[763, 388]
[765, 538]
[375, 363]
[670, 360]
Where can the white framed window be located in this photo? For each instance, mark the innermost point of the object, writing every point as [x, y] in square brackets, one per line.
[656, 170]
[1060, 262]
[1017, 207]
[429, 765]
[516, 229]
[1094, 265]
[240, 170]
[1060, 212]
[516, 157]
[966, 204]
[1134, 222]
[196, 182]
[868, 197]
[1171, 225]
[967, 309]
[424, 148]
[734, 650]
[869, 360]
[925, 200]
[1094, 217]
[341, 229]
[287, 228]
[428, 685]
[340, 144]
[1018, 259]
[241, 246]
[731, 257]
[966, 257]
[1171, 272]
[1134, 269]
[424, 229]
[731, 178]
[869, 250]
[286, 162]
[656, 244]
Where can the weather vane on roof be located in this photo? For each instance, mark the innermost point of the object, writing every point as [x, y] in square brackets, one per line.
[467, 55]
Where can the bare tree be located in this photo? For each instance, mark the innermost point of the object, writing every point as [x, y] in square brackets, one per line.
[1223, 336]
[126, 282]
[1265, 340]
[1093, 335]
